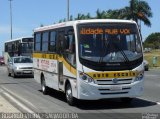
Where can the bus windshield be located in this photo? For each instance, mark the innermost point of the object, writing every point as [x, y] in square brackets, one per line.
[109, 43]
[27, 47]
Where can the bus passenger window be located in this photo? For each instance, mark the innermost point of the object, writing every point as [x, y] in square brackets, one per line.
[70, 49]
[45, 41]
[37, 42]
[52, 44]
[70, 44]
[60, 40]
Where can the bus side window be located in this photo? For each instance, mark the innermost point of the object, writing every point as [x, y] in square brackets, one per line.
[70, 44]
[60, 42]
[70, 54]
[52, 42]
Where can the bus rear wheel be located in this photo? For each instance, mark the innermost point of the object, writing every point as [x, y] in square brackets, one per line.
[43, 86]
[69, 97]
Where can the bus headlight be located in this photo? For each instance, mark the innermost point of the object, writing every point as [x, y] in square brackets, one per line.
[139, 77]
[85, 77]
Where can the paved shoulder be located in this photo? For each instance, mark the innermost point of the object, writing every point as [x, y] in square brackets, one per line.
[6, 107]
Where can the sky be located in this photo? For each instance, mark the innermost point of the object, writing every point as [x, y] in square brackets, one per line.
[30, 14]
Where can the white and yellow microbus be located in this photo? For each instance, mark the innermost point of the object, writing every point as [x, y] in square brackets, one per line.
[90, 59]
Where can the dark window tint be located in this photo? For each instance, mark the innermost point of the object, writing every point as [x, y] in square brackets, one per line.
[27, 40]
[37, 42]
[52, 46]
[45, 37]
[38, 37]
[6, 47]
[45, 41]
[37, 47]
[60, 41]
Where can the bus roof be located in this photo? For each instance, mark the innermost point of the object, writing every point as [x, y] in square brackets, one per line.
[16, 39]
[71, 23]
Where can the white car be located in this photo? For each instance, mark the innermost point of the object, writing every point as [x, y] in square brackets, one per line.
[20, 66]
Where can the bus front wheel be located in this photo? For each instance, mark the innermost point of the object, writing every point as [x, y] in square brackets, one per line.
[69, 97]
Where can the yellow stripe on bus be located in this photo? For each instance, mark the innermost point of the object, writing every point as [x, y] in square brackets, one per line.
[45, 56]
[94, 75]
[116, 74]
[56, 57]
[69, 67]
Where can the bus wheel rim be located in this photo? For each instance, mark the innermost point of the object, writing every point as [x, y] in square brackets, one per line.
[43, 86]
[69, 94]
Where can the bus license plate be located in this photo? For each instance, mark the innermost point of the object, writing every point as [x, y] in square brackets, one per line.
[114, 88]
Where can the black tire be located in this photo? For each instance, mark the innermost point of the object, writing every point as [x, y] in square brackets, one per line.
[126, 100]
[146, 69]
[43, 86]
[9, 74]
[69, 97]
[14, 75]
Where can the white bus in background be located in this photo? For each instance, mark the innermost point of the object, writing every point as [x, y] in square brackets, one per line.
[18, 47]
[90, 59]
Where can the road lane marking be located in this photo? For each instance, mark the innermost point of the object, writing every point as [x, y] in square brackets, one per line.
[18, 103]
[14, 100]
[20, 98]
[158, 103]
[1, 90]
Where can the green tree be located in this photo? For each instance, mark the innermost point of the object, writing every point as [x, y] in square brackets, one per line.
[79, 16]
[41, 25]
[137, 10]
[60, 21]
[114, 14]
[71, 18]
[83, 16]
[100, 14]
[88, 16]
[153, 41]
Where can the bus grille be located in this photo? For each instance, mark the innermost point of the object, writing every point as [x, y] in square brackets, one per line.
[110, 82]
[108, 91]
[111, 88]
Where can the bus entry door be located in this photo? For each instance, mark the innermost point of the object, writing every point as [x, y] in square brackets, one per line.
[60, 73]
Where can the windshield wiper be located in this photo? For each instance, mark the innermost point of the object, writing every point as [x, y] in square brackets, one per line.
[122, 52]
[118, 48]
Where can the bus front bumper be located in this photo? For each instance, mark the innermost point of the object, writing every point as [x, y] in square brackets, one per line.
[96, 92]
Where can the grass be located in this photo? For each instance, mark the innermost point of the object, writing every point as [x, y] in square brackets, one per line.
[149, 57]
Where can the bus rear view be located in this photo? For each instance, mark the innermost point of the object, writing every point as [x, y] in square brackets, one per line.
[111, 59]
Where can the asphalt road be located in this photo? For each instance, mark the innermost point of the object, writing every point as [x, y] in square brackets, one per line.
[25, 94]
